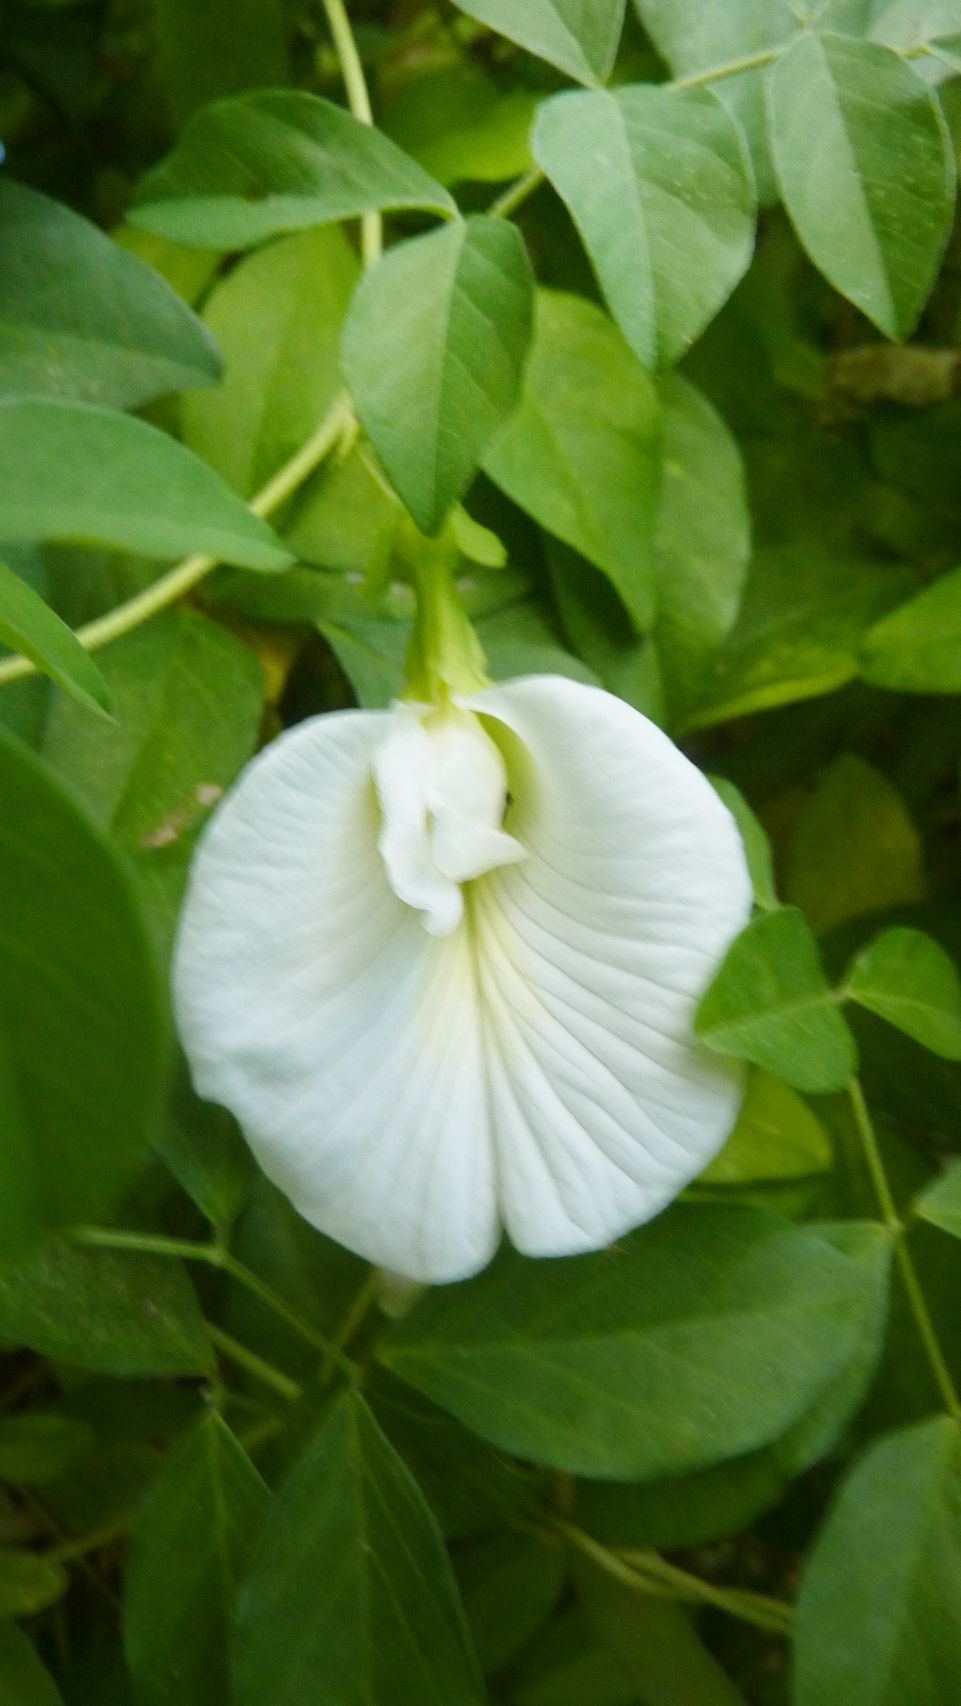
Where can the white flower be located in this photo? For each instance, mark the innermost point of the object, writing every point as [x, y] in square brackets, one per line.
[442, 965]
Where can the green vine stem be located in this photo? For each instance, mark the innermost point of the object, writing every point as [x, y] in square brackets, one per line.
[168, 588]
[648, 1572]
[358, 97]
[909, 1275]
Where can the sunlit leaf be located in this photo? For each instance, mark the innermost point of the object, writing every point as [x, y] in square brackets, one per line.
[579, 38]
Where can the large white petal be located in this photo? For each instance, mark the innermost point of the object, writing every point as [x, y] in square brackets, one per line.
[537, 1065]
[590, 957]
[313, 1003]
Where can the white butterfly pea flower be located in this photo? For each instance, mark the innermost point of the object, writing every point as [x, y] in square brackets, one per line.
[442, 963]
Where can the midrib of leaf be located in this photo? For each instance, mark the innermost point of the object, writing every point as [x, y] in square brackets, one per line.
[854, 168]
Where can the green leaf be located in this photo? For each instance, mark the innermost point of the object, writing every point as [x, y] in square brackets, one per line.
[433, 352]
[349, 1596]
[568, 1666]
[799, 630]
[693, 37]
[770, 1004]
[658, 1356]
[29, 1583]
[83, 992]
[909, 980]
[655, 1642]
[872, 204]
[948, 50]
[582, 452]
[277, 319]
[28, 625]
[702, 543]
[510, 1584]
[188, 1552]
[79, 317]
[69, 471]
[757, 847]
[37, 1445]
[879, 1616]
[456, 123]
[660, 186]
[578, 38]
[940, 1203]
[23, 1679]
[117, 1312]
[777, 1137]
[188, 696]
[855, 847]
[278, 160]
[917, 648]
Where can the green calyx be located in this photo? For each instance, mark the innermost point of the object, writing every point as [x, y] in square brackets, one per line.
[444, 655]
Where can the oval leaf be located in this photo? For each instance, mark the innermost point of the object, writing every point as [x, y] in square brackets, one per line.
[917, 648]
[909, 980]
[656, 1357]
[248, 168]
[940, 1203]
[350, 1595]
[82, 991]
[582, 452]
[69, 471]
[189, 1549]
[660, 186]
[578, 36]
[33, 629]
[879, 1617]
[872, 203]
[80, 317]
[117, 1312]
[23, 1679]
[433, 352]
[770, 1004]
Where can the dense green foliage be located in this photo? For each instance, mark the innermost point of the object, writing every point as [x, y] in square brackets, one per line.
[645, 323]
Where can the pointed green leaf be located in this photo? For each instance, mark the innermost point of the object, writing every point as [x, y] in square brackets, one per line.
[277, 317]
[117, 1312]
[578, 36]
[69, 471]
[349, 1596]
[658, 1356]
[777, 1137]
[770, 1004]
[873, 202]
[917, 648]
[29, 626]
[660, 186]
[582, 452]
[940, 1202]
[23, 1679]
[82, 990]
[909, 980]
[80, 317]
[188, 1552]
[855, 849]
[757, 847]
[879, 1616]
[433, 352]
[248, 168]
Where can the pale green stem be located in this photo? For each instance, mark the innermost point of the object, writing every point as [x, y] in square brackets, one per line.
[358, 97]
[516, 193]
[648, 1572]
[168, 588]
[731, 68]
[215, 1256]
[258, 1366]
[909, 1277]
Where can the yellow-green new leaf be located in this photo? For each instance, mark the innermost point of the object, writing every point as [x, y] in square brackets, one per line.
[917, 648]
[578, 36]
[659, 184]
[433, 352]
[872, 198]
[29, 625]
[770, 1004]
[278, 160]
